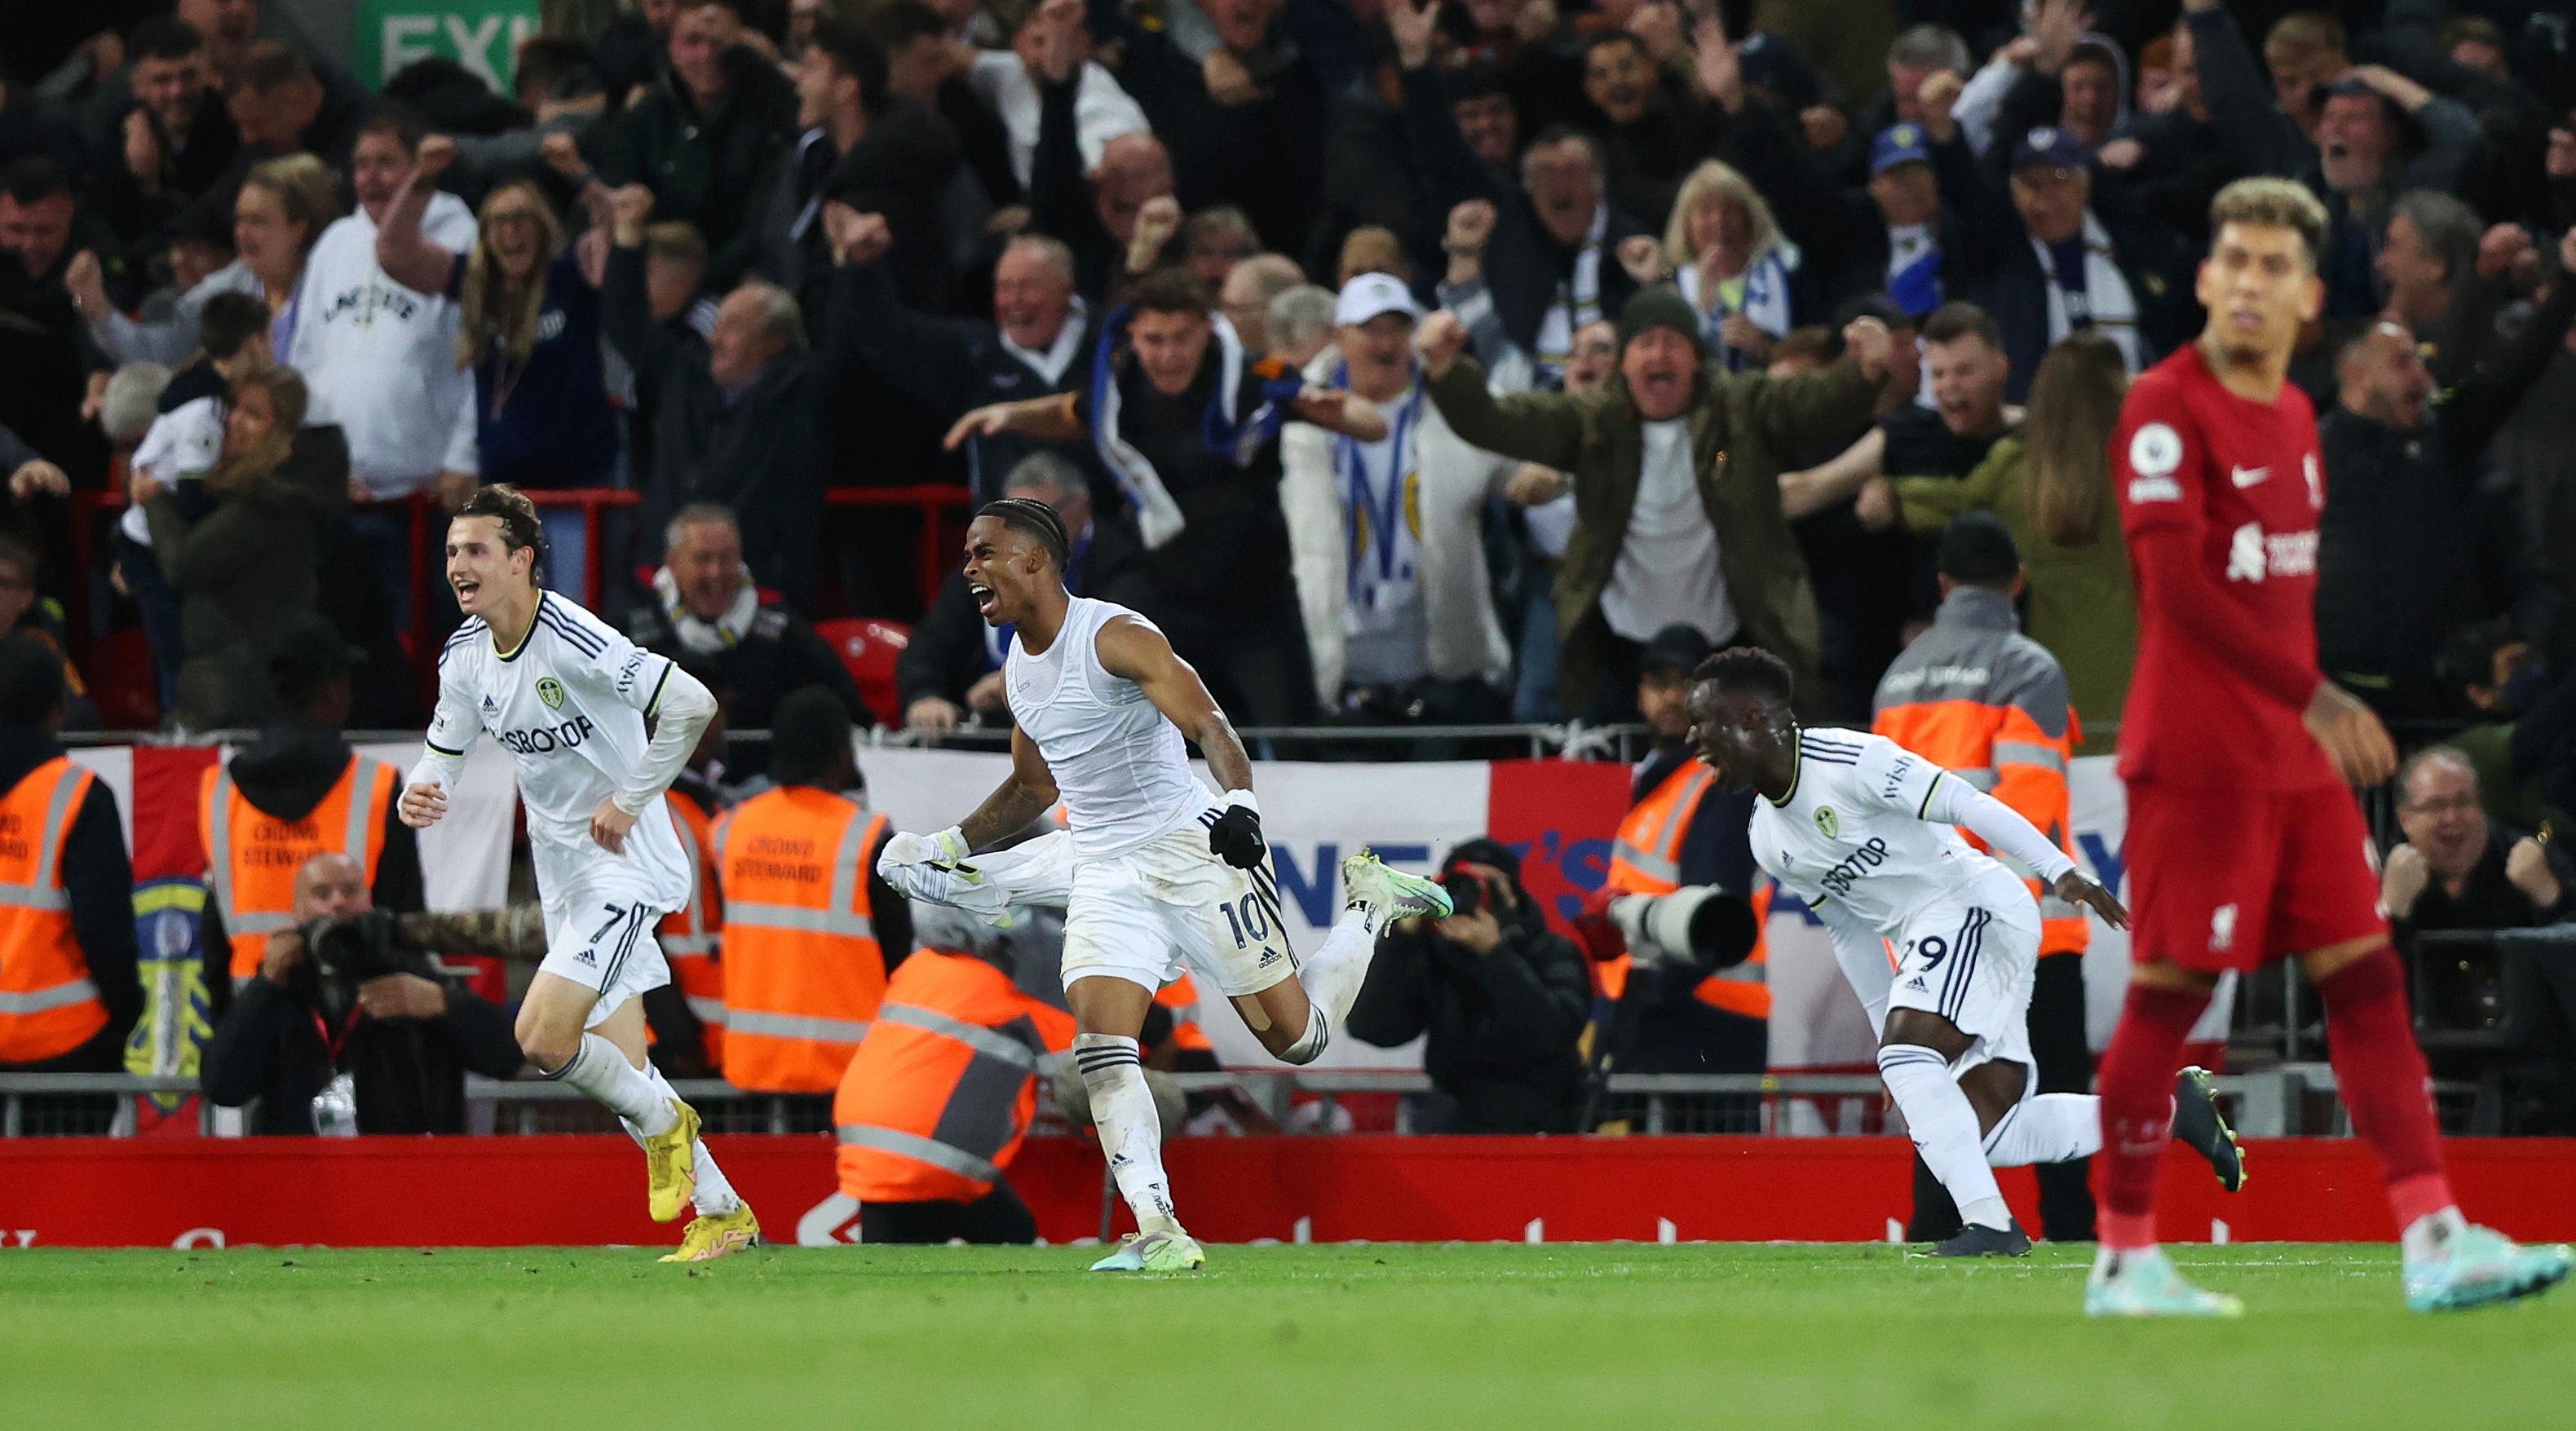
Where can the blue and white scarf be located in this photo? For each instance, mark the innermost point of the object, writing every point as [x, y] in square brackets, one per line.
[1914, 268]
[1234, 437]
[1381, 518]
[1766, 302]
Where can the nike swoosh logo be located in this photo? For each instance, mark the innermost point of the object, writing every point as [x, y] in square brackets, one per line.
[2248, 476]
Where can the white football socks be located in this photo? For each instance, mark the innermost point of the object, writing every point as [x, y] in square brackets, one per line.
[1332, 976]
[714, 1196]
[2425, 1236]
[601, 1071]
[1944, 1125]
[2046, 1128]
[1131, 1130]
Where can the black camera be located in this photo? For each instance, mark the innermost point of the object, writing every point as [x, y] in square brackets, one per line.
[1469, 891]
[342, 954]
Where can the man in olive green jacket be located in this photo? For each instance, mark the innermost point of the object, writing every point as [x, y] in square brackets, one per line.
[1742, 430]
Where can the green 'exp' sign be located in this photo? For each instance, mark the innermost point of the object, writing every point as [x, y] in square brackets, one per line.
[481, 35]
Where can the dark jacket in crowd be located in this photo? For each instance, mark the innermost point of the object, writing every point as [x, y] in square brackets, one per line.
[1524, 265]
[46, 357]
[952, 645]
[99, 880]
[408, 1075]
[1370, 177]
[899, 169]
[1742, 429]
[2409, 548]
[284, 774]
[1839, 229]
[714, 170]
[1061, 203]
[191, 163]
[1265, 157]
[2001, 266]
[544, 421]
[779, 654]
[1502, 1027]
[243, 570]
[955, 364]
[760, 451]
[2447, 146]
[2462, 986]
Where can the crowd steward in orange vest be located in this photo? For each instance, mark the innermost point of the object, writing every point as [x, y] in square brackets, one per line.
[68, 989]
[1682, 830]
[298, 791]
[1988, 704]
[932, 1109]
[684, 1019]
[406, 1044]
[811, 931]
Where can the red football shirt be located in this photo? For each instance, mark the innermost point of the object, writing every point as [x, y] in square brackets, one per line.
[2219, 498]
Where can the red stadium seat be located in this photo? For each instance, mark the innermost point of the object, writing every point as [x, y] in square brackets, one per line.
[118, 670]
[868, 647]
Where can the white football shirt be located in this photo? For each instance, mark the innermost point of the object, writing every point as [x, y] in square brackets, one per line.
[569, 705]
[1861, 828]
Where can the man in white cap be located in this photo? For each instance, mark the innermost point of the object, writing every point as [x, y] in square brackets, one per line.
[1390, 559]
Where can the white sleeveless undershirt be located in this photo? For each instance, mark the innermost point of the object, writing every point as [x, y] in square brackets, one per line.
[1122, 768]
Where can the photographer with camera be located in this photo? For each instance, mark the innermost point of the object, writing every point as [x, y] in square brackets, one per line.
[1500, 995]
[348, 993]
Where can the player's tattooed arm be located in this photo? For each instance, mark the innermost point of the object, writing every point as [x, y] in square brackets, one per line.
[1028, 793]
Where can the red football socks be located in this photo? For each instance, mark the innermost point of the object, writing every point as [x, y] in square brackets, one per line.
[2137, 1107]
[2380, 1072]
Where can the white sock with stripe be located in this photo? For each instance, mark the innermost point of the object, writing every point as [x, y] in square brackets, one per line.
[715, 1196]
[1333, 975]
[2048, 1128]
[1131, 1128]
[601, 1070]
[1944, 1126]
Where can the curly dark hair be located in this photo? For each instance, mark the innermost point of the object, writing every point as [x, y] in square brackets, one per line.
[1748, 670]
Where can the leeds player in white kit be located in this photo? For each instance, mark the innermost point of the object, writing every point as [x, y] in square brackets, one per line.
[568, 696]
[1163, 871]
[1940, 942]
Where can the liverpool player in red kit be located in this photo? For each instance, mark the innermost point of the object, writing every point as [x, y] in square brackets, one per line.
[2244, 842]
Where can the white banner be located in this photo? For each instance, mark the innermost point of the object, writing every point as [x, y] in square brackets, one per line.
[1313, 815]
[464, 858]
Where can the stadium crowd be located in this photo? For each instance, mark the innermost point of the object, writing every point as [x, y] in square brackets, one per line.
[1405, 361]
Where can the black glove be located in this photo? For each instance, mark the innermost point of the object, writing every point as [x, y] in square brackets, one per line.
[1235, 837]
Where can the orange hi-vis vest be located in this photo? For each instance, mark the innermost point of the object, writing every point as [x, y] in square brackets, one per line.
[253, 855]
[1964, 697]
[803, 973]
[48, 1004]
[1180, 998]
[690, 935]
[935, 1103]
[1646, 858]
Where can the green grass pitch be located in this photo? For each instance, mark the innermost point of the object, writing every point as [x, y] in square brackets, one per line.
[1309, 1338]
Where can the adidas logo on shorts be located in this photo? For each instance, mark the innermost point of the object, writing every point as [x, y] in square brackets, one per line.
[1269, 956]
[585, 957]
[1915, 984]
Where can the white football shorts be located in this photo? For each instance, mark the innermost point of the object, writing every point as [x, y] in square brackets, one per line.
[1145, 914]
[1972, 961]
[600, 921]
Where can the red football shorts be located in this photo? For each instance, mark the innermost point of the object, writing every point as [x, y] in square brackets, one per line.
[2225, 880]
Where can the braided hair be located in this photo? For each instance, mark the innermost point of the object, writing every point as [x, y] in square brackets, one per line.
[1038, 520]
